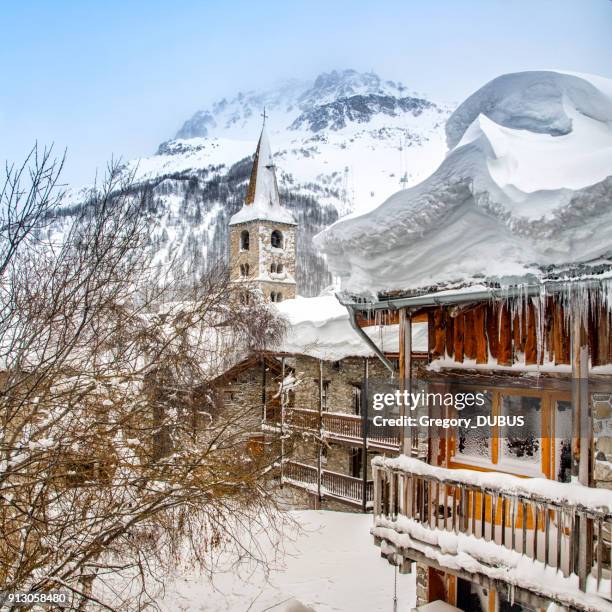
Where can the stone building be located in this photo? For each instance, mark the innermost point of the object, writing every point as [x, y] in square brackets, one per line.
[262, 234]
[309, 393]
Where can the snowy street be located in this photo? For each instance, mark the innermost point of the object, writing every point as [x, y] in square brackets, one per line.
[332, 566]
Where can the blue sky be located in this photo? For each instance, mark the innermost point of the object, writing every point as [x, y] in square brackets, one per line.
[117, 78]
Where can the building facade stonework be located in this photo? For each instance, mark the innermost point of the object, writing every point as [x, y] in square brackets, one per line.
[259, 264]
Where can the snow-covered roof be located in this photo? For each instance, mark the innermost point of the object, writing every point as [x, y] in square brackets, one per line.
[262, 202]
[320, 327]
[525, 187]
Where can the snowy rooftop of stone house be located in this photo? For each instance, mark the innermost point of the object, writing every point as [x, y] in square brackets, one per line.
[524, 193]
[262, 202]
[320, 327]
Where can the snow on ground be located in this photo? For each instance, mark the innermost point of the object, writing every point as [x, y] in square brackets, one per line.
[332, 565]
[527, 183]
[320, 327]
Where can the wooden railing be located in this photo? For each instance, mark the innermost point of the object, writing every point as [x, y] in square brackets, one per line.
[338, 425]
[300, 472]
[344, 425]
[542, 529]
[301, 418]
[334, 484]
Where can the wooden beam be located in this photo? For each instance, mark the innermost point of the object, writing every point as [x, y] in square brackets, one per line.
[469, 339]
[405, 366]
[505, 337]
[480, 335]
[450, 338]
[531, 340]
[439, 333]
[492, 323]
[458, 338]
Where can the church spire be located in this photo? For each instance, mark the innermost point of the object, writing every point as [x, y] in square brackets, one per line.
[263, 188]
[262, 199]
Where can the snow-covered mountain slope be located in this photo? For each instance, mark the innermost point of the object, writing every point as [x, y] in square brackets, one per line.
[526, 188]
[350, 138]
[341, 142]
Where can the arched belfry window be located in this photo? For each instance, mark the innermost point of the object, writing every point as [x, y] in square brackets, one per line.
[244, 269]
[244, 240]
[277, 239]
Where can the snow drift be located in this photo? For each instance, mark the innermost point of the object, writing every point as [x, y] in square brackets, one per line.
[320, 327]
[525, 188]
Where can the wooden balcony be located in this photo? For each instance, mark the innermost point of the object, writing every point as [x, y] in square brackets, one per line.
[332, 484]
[483, 533]
[339, 426]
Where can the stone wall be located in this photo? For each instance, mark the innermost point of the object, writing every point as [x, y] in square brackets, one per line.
[341, 377]
[243, 390]
[261, 255]
[422, 584]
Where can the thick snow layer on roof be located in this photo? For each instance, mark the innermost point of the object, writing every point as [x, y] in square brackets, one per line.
[527, 184]
[320, 327]
[265, 204]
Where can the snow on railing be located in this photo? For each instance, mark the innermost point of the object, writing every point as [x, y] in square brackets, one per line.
[564, 527]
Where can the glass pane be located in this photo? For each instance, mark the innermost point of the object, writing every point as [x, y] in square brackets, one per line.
[521, 445]
[563, 440]
[474, 443]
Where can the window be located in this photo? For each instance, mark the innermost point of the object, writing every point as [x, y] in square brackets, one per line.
[244, 240]
[356, 399]
[563, 440]
[276, 268]
[245, 298]
[244, 269]
[523, 448]
[325, 394]
[356, 463]
[276, 296]
[526, 432]
[273, 268]
[277, 239]
[474, 444]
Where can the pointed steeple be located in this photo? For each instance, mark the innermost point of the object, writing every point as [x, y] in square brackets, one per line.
[263, 188]
[262, 199]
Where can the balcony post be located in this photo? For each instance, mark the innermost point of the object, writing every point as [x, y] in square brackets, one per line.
[364, 432]
[581, 445]
[407, 445]
[282, 423]
[320, 445]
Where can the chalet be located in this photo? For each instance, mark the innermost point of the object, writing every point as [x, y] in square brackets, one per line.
[513, 279]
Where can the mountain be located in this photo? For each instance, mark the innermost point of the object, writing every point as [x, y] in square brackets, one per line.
[343, 142]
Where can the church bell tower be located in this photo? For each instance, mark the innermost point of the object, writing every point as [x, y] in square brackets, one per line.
[262, 233]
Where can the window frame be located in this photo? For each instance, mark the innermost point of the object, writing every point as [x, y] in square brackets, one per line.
[245, 234]
[547, 467]
[277, 233]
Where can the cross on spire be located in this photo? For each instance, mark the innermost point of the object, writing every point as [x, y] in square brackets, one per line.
[264, 115]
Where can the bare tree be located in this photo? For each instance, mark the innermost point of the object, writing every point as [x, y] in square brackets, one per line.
[117, 455]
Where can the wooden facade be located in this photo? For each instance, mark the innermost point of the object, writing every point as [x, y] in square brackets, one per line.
[500, 344]
[506, 334]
